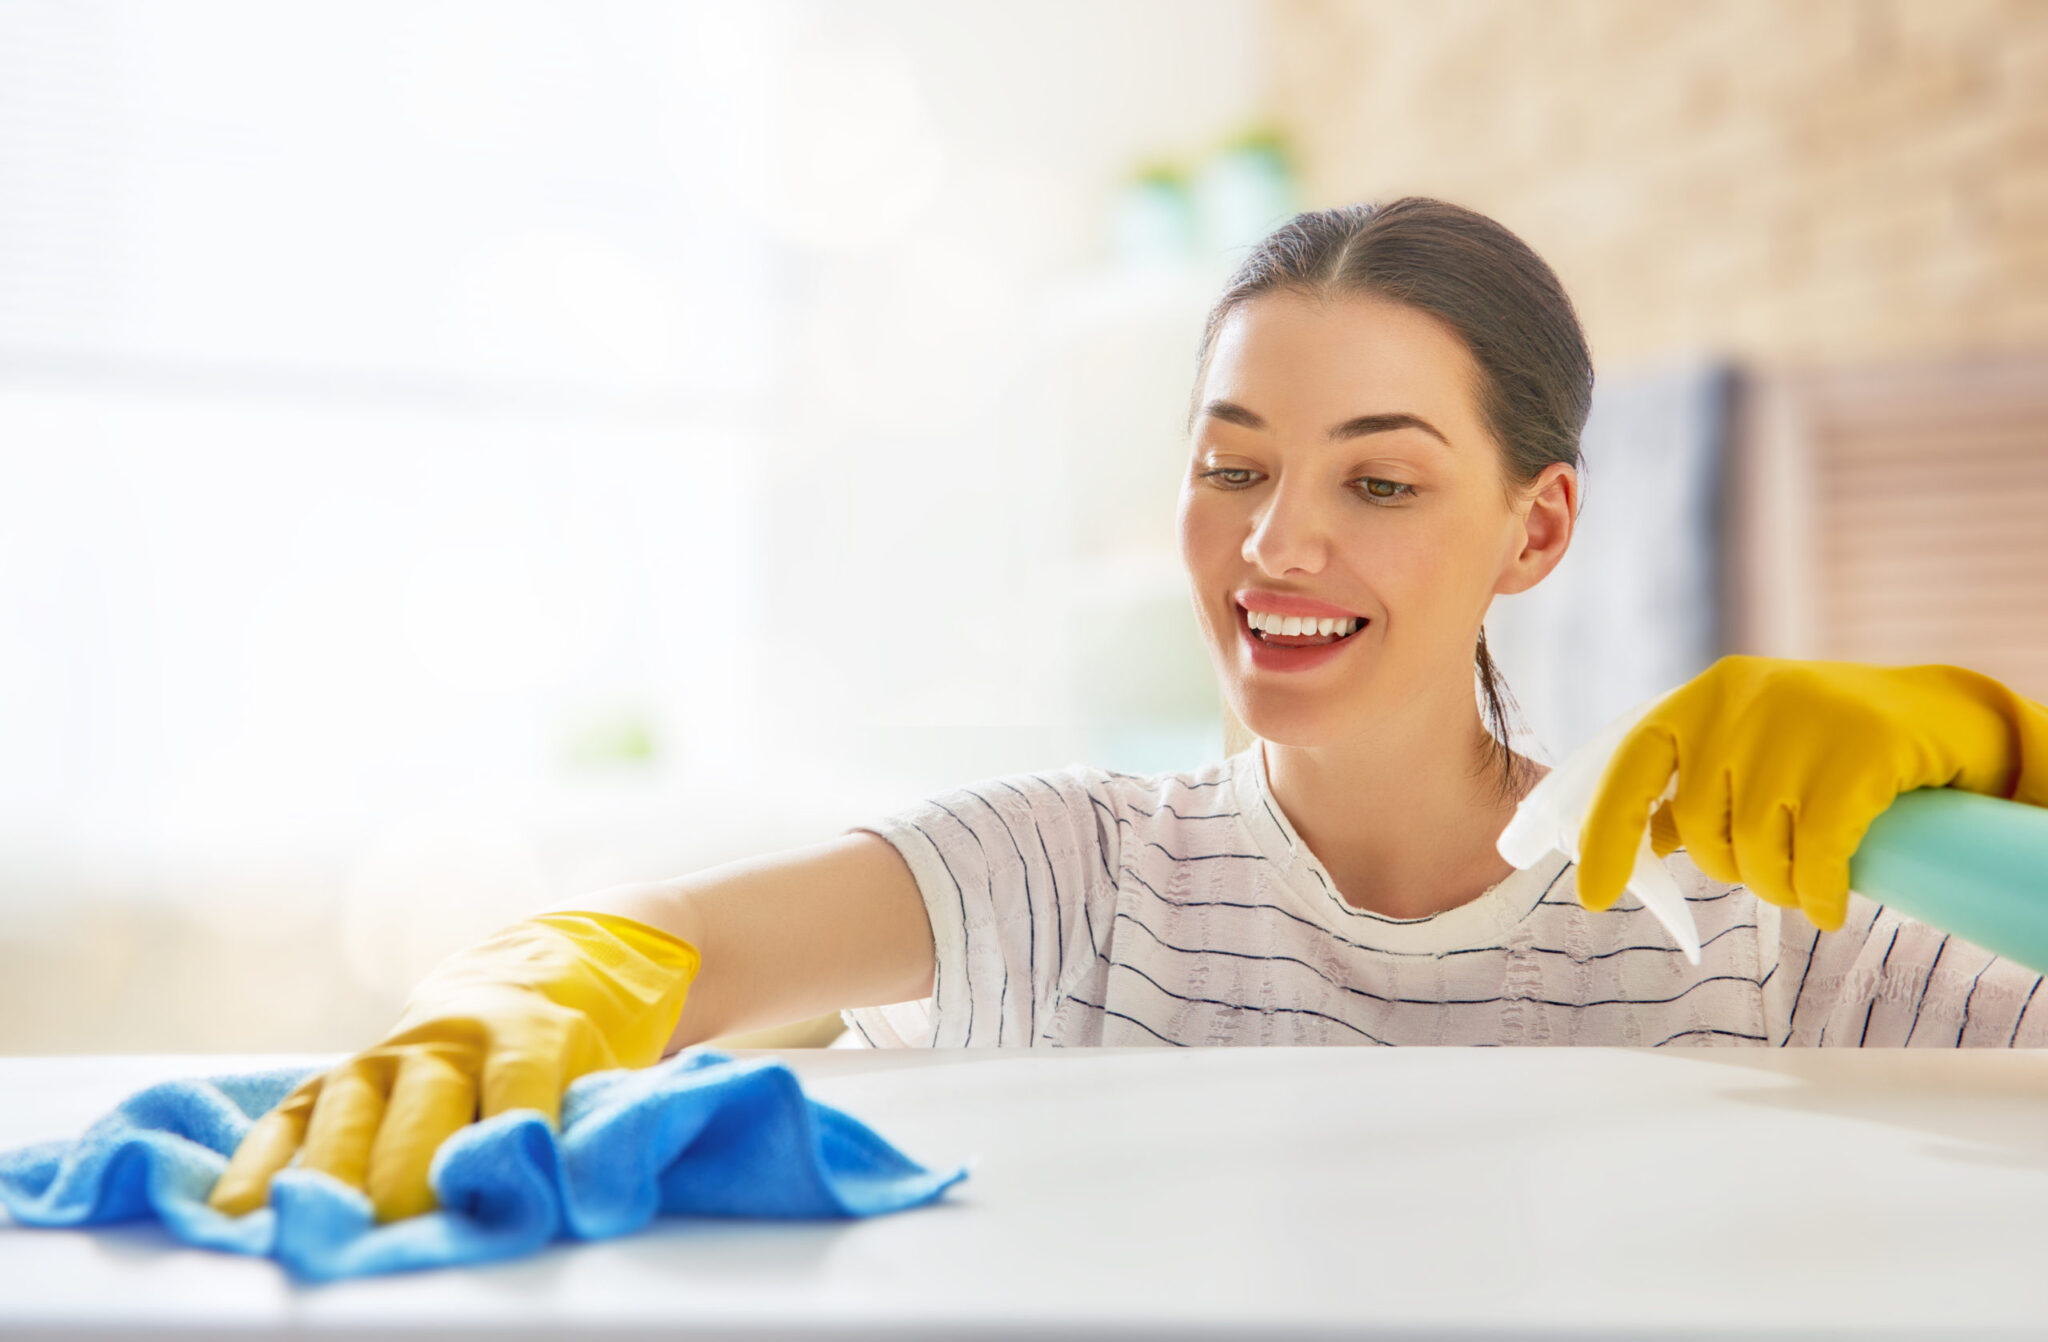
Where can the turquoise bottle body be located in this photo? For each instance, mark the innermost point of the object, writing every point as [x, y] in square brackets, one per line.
[1973, 866]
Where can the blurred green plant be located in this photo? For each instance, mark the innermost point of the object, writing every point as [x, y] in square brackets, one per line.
[622, 738]
[1161, 173]
[1263, 137]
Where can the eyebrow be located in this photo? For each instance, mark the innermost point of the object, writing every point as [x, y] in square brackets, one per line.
[1230, 412]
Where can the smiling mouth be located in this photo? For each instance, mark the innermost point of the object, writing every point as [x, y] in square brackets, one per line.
[1295, 640]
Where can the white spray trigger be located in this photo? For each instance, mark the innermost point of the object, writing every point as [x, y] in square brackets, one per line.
[1549, 818]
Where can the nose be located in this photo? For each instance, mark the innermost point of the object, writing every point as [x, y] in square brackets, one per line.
[1290, 532]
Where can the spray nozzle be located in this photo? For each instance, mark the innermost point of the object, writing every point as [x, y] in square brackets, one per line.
[1550, 816]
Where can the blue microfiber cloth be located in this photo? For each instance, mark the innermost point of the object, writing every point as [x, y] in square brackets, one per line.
[702, 1134]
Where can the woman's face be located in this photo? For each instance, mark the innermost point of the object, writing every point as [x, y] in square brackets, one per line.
[1339, 457]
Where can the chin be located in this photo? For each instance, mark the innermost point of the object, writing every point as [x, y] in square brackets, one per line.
[1302, 726]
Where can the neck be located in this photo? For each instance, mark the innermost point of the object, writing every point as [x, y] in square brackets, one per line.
[1405, 827]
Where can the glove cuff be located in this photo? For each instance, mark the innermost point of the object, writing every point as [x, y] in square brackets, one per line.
[2017, 767]
[645, 975]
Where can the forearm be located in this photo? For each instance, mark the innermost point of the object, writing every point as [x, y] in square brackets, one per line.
[789, 935]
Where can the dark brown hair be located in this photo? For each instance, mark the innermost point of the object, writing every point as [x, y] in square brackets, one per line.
[1535, 373]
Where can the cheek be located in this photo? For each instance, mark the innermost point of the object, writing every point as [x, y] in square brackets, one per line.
[1445, 571]
[1204, 533]
[1423, 572]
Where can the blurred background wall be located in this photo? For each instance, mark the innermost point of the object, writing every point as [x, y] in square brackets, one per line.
[1835, 180]
[455, 456]
[1809, 244]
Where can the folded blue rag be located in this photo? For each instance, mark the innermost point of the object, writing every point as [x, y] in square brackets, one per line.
[702, 1134]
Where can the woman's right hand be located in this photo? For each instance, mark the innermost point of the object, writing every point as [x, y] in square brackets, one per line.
[505, 1024]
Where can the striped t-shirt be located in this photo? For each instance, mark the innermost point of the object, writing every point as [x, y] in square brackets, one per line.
[1084, 906]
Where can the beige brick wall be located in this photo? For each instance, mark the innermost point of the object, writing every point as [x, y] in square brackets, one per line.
[1819, 180]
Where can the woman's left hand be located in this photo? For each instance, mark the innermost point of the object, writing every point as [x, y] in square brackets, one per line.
[1782, 765]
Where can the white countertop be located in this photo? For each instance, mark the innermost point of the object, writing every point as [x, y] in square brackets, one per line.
[1268, 1192]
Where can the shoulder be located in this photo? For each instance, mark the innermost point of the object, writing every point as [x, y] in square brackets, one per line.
[1178, 791]
[1168, 799]
[1073, 793]
[1195, 813]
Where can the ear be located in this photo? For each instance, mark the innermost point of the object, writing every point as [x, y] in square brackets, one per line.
[1543, 521]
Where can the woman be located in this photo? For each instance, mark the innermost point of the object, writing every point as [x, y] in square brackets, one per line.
[1384, 436]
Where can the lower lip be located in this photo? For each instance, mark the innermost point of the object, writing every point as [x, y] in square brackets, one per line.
[1268, 657]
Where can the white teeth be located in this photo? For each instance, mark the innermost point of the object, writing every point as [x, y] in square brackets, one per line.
[1297, 625]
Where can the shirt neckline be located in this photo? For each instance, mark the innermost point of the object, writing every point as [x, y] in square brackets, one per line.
[1483, 921]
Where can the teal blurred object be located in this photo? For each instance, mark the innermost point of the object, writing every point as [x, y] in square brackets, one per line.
[1971, 865]
[1242, 193]
[1155, 218]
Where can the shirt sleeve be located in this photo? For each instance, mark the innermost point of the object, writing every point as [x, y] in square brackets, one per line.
[1884, 980]
[1017, 876]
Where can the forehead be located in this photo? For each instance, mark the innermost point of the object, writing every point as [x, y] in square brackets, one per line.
[1304, 363]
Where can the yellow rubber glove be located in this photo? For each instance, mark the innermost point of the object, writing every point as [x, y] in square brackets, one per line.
[509, 1022]
[1782, 765]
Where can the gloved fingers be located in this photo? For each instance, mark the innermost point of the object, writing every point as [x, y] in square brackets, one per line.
[1634, 779]
[524, 1078]
[1700, 811]
[1761, 835]
[433, 1098]
[1820, 878]
[345, 1121]
[1664, 836]
[266, 1148]
[1831, 829]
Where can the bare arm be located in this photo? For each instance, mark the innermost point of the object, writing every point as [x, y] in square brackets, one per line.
[788, 936]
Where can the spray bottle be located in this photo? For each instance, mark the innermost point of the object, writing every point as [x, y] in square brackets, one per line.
[1971, 865]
